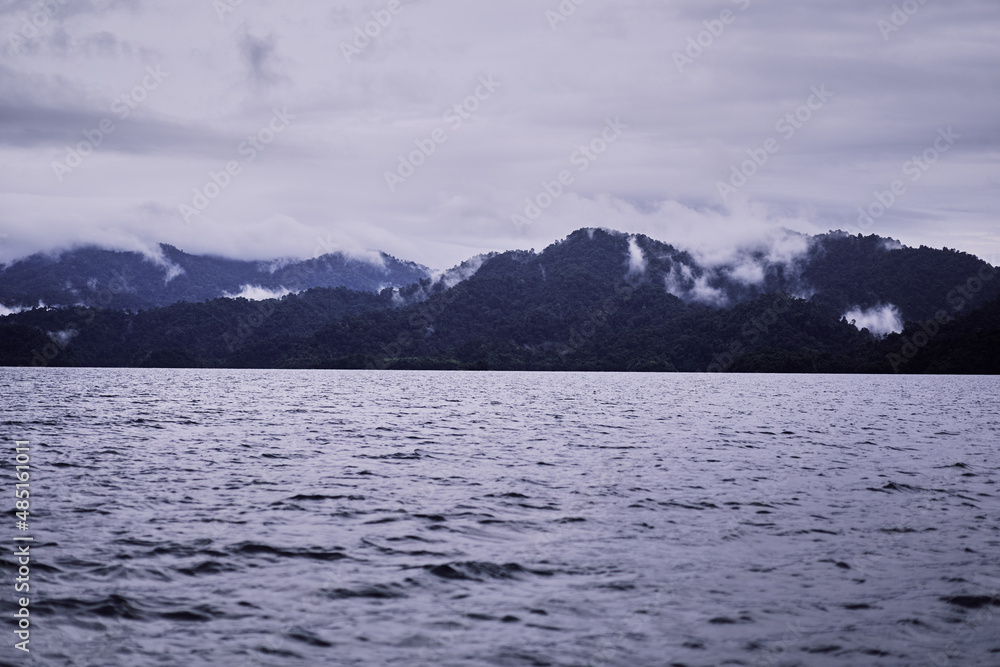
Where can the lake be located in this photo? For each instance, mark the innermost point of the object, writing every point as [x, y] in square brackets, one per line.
[217, 517]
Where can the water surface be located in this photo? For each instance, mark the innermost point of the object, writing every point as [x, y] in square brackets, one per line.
[477, 519]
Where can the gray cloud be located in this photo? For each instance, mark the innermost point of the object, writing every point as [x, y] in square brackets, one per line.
[324, 176]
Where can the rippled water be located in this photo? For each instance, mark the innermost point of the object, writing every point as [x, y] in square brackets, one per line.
[376, 518]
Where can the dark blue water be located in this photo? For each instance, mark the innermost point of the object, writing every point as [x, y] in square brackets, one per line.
[376, 518]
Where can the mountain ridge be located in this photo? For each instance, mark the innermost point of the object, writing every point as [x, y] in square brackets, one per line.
[131, 280]
[595, 300]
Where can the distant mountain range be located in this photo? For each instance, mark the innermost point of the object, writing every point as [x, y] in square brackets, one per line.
[130, 280]
[597, 300]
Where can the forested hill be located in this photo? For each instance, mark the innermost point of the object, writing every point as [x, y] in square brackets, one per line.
[597, 300]
[854, 271]
[130, 280]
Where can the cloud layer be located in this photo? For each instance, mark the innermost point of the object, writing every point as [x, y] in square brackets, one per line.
[149, 106]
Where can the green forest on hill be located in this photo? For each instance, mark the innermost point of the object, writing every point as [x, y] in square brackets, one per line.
[578, 305]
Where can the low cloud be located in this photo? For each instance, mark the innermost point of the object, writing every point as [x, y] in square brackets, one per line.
[62, 338]
[677, 282]
[880, 320]
[702, 292]
[636, 259]
[749, 273]
[752, 255]
[460, 273]
[11, 310]
[258, 293]
[156, 256]
[685, 284]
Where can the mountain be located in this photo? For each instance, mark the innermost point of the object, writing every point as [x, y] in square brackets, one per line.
[969, 344]
[597, 300]
[130, 280]
[182, 334]
[608, 301]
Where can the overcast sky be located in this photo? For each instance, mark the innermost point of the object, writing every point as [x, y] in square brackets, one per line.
[668, 96]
